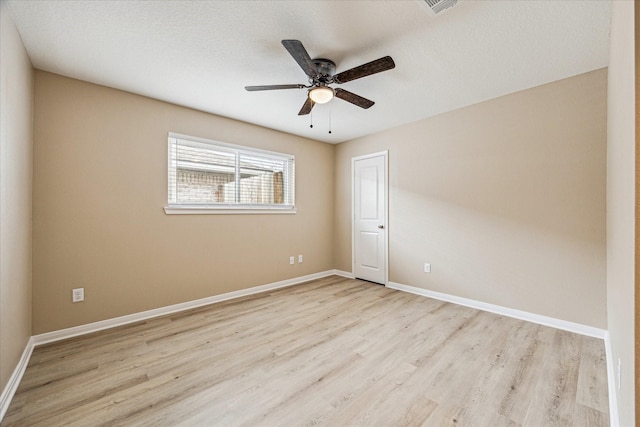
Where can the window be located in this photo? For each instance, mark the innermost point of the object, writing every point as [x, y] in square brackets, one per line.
[223, 178]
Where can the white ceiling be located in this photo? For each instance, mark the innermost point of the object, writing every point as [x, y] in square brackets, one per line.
[201, 54]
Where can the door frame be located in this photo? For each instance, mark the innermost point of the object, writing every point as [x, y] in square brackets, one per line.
[384, 154]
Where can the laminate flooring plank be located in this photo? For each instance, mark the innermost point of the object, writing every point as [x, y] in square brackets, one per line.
[452, 415]
[593, 373]
[316, 370]
[453, 369]
[383, 372]
[444, 415]
[509, 376]
[59, 402]
[553, 401]
[443, 336]
[308, 390]
[519, 380]
[333, 351]
[585, 416]
[376, 403]
[480, 397]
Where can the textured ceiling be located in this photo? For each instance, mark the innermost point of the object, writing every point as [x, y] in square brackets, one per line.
[201, 54]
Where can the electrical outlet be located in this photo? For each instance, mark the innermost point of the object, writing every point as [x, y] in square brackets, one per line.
[618, 373]
[300, 258]
[77, 295]
[292, 260]
[427, 267]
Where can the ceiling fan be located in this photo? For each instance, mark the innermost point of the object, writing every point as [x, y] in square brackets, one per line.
[321, 73]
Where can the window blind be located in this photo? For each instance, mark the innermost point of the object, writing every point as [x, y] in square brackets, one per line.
[211, 174]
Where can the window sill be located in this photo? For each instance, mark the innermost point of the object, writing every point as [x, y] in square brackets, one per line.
[191, 210]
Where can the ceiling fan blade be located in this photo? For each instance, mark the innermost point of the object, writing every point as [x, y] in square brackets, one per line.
[373, 67]
[353, 98]
[306, 108]
[299, 53]
[273, 87]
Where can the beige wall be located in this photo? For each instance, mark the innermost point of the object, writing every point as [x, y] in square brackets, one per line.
[505, 199]
[621, 203]
[16, 155]
[100, 184]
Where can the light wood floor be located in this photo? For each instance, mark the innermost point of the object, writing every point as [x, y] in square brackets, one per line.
[333, 351]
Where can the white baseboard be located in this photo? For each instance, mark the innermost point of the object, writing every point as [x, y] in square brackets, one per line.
[504, 311]
[14, 381]
[62, 334]
[614, 416]
[346, 274]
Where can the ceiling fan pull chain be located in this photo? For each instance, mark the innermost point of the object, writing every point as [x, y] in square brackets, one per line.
[311, 119]
[329, 120]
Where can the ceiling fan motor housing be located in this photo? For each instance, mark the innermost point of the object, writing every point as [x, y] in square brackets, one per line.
[326, 68]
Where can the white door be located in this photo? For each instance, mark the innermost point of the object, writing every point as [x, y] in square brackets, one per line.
[369, 217]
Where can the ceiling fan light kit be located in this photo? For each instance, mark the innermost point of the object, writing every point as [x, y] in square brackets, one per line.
[321, 74]
[321, 94]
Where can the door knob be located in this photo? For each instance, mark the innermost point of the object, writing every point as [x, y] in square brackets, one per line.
[381, 226]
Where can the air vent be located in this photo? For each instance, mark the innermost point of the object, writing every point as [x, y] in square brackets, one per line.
[438, 6]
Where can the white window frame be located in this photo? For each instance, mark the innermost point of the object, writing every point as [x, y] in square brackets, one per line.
[232, 208]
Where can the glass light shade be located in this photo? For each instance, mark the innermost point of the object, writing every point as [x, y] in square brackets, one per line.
[321, 94]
